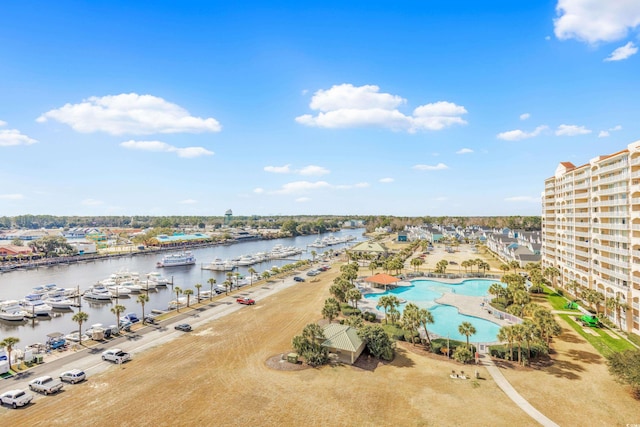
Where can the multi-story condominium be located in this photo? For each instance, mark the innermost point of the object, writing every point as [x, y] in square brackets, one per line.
[591, 231]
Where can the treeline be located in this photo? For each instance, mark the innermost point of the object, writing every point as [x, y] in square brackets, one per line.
[528, 223]
[303, 224]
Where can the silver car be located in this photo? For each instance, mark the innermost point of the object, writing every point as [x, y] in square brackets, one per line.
[73, 376]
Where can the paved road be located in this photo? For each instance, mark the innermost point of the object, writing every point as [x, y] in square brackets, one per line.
[88, 359]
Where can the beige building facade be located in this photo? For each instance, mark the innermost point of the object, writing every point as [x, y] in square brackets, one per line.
[591, 230]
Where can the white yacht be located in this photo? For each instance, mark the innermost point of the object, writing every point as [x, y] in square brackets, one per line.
[11, 310]
[119, 290]
[220, 265]
[158, 278]
[36, 307]
[98, 293]
[177, 259]
[59, 303]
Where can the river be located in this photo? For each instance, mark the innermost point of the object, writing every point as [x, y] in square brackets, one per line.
[17, 284]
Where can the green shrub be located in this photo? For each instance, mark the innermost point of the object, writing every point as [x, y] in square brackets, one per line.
[350, 311]
[369, 316]
[634, 338]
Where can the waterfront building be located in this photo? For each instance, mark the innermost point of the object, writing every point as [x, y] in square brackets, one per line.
[591, 231]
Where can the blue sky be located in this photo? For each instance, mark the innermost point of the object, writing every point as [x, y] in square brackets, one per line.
[266, 108]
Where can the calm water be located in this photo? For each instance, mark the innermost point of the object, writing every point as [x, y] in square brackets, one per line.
[423, 293]
[17, 284]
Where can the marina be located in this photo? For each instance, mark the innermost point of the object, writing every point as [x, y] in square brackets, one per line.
[94, 278]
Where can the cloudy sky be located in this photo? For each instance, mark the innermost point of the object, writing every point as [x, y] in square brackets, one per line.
[403, 108]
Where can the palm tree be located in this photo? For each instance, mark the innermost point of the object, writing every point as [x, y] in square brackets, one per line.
[251, 271]
[519, 336]
[80, 317]
[142, 300]
[8, 343]
[410, 321]
[515, 265]
[212, 282]
[227, 286]
[387, 302]
[354, 296]
[178, 291]
[505, 268]
[331, 309]
[198, 286]
[118, 309]
[496, 289]
[188, 293]
[313, 256]
[466, 329]
[425, 318]
[506, 334]
[229, 275]
[552, 273]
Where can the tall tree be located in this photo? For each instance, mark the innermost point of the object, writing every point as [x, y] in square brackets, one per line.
[331, 309]
[118, 309]
[188, 293]
[198, 286]
[80, 317]
[466, 329]
[211, 282]
[178, 291]
[388, 302]
[8, 343]
[142, 300]
[354, 296]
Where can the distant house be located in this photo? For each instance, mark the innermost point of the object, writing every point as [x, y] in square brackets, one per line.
[15, 250]
[371, 248]
[402, 236]
[343, 340]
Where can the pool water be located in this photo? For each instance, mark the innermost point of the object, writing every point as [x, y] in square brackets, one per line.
[423, 293]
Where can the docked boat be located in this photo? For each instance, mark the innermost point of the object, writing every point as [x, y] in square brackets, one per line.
[36, 307]
[220, 265]
[11, 310]
[247, 260]
[119, 290]
[179, 303]
[158, 278]
[59, 303]
[177, 259]
[73, 336]
[98, 293]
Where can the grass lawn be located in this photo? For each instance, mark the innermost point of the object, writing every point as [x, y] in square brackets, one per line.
[603, 342]
[557, 301]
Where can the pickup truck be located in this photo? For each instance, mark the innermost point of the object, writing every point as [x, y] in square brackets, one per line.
[45, 385]
[15, 398]
[116, 355]
[245, 301]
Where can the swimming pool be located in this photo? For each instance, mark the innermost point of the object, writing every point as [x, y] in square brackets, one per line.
[423, 293]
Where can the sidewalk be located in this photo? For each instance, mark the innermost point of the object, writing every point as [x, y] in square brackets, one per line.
[508, 389]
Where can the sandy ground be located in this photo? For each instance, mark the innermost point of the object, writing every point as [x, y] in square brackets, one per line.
[217, 375]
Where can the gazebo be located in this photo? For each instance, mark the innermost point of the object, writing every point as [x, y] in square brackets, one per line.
[382, 279]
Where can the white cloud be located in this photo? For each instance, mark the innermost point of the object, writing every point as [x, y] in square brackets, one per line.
[10, 137]
[517, 134]
[303, 199]
[441, 199]
[345, 106]
[2, 123]
[527, 199]
[623, 52]
[302, 187]
[307, 170]
[595, 21]
[258, 190]
[129, 114]
[278, 169]
[11, 196]
[188, 202]
[571, 130]
[159, 146]
[464, 151]
[314, 170]
[524, 116]
[438, 167]
[605, 133]
[386, 180]
[92, 202]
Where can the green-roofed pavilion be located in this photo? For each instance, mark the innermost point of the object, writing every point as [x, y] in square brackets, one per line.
[343, 340]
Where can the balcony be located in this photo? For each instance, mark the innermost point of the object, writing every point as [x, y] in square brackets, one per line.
[615, 178]
[616, 190]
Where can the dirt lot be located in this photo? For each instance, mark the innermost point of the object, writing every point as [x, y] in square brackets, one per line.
[218, 375]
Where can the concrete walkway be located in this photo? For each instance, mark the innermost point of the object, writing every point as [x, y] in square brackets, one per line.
[511, 392]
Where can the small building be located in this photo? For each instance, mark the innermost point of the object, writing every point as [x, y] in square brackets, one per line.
[15, 250]
[343, 341]
[402, 236]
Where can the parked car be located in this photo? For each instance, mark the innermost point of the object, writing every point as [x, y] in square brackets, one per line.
[15, 398]
[116, 355]
[245, 301]
[73, 376]
[130, 317]
[45, 385]
[312, 273]
[298, 279]
[184, 327]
